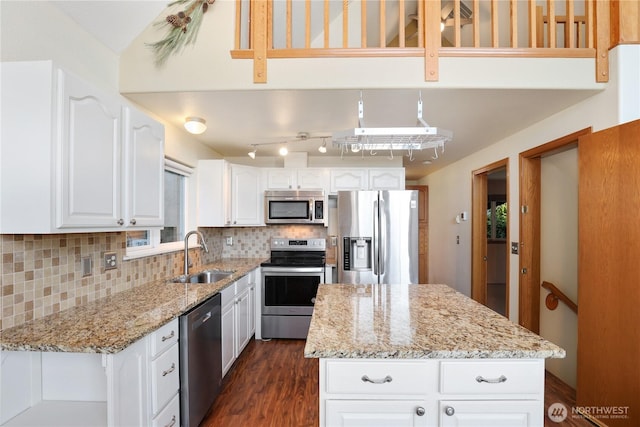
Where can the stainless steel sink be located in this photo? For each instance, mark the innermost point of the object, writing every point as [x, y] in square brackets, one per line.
[206, 276]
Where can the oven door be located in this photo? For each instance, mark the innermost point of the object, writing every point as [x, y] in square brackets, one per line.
[290, 290]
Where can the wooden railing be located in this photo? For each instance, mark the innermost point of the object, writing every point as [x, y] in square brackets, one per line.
[426, 28]
[556, 295]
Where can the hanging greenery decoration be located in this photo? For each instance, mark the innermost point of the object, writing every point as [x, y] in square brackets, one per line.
[183, 28]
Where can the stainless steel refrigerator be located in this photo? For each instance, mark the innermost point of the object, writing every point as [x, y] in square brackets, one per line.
[377, 236]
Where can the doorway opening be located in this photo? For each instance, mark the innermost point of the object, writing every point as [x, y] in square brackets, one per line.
[490, 234]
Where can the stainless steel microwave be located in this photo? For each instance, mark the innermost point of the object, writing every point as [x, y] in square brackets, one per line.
[294, 207]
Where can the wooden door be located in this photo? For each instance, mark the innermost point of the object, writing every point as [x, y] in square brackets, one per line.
[609, 274]
[423, 231]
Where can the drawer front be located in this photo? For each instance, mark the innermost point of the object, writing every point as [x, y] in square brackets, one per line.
[492, 377]
[164, 337]
[165, 380]
[242, 284]
[170, 415]
[228, 294]
[377, 378]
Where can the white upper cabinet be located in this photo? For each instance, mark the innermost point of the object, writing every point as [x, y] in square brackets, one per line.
[246, 196]
[350, 179]
[89, 173]
[74, 158]
[229, 194]
[144, 170]
[297, 179]
[386, 179]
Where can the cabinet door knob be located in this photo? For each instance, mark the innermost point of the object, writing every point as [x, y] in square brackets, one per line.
[420, 411]
[449, 410]
[133, 221]
[121, 221]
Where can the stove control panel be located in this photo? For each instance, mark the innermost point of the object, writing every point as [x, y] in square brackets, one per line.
[283, 243]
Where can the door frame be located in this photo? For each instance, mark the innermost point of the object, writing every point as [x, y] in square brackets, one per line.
[479, 194]
[529, 207]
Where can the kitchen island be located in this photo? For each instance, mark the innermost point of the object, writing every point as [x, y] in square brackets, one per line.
[423, 355]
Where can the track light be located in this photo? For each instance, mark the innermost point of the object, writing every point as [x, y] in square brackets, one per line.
[323, 147]
[195, 125]
[283, 150]
[252, 154]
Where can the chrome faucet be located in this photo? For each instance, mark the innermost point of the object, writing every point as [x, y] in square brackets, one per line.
[186, 248]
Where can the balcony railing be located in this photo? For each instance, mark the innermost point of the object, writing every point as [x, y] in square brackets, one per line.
[422, 28]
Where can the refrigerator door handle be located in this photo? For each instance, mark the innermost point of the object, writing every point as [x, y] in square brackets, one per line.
[383, 236]
[374, 252]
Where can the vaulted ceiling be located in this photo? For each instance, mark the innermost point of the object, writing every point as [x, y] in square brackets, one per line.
[477, 117]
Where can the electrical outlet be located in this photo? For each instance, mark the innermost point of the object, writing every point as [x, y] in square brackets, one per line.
[110, 261]
[229, 240]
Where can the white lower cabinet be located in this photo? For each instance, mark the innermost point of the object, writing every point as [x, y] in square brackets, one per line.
[447, 392]
[491, 413]
[138, 386]
[238, 318]
[371, 413]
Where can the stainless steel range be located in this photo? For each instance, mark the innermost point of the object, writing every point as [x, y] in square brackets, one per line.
[290, 282]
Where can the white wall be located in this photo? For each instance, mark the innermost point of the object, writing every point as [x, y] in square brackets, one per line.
[559, 257]
[450, 187]
[208, 66]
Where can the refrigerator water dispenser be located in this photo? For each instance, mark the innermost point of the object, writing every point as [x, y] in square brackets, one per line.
[357, 253]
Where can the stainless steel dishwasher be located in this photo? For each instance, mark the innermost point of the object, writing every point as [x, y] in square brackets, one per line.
[200, 360]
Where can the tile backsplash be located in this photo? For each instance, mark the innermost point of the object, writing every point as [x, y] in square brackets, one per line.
[42, 274]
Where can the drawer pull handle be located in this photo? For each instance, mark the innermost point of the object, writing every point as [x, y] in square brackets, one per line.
[420, 411]
[449, 410]
[172, 423]
[386, 379]
[168, 371]
[168, 337]
[498, 380]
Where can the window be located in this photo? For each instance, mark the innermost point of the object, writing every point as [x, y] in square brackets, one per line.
[497, 220]
[170, 238]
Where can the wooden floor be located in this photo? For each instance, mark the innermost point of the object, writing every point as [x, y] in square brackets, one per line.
[273, 385]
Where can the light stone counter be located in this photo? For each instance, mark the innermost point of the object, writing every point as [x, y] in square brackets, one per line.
[414, 322]
[110, 324]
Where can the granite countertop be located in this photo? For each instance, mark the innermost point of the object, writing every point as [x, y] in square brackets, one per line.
[414, 322]
[110, 324]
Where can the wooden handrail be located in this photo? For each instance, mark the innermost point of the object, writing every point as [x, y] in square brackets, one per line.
[556, 294]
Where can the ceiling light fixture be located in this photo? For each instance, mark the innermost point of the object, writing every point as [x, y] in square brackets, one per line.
[323, 147]
[195, 125]
[283, 150]
[252, 154]
[419, 137]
